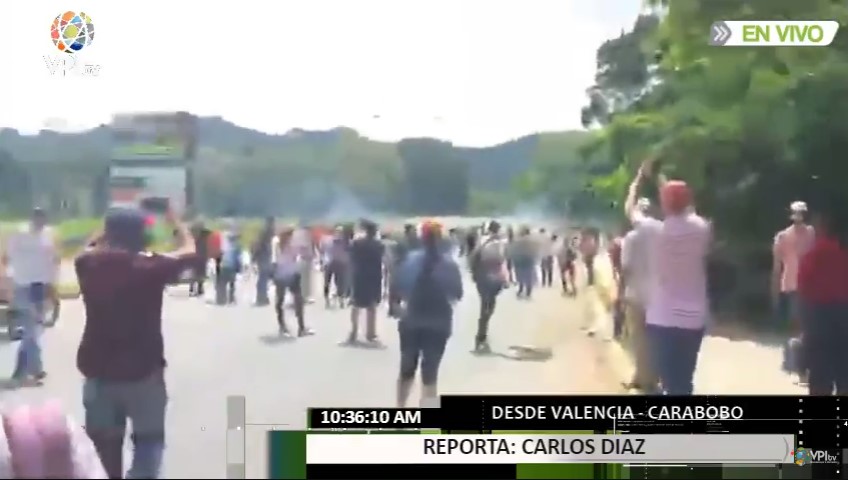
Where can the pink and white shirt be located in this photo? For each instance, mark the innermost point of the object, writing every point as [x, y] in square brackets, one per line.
[43, 442]
[677, 249]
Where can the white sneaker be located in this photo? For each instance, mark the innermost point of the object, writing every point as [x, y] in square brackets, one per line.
[430, 402]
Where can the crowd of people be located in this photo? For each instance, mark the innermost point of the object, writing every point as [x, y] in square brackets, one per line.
[659, 264]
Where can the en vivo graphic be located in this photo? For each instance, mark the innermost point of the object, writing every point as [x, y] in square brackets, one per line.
[71, 32]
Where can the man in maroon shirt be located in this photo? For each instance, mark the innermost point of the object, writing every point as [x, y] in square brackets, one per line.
[823, 291]
[121, 354]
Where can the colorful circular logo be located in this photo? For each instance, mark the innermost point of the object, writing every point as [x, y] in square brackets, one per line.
[72, 31]
[802, 456]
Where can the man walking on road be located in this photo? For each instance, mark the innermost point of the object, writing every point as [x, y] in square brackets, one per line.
[366, 255]
[823, 288]
[790, 244]
[121, 354]
[678, 306]
[547, 245]
[488, 270]
[635, 276]
[261, 255]
[201, 236]
[33, 258]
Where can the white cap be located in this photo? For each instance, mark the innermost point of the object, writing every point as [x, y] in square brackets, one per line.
[798, 207]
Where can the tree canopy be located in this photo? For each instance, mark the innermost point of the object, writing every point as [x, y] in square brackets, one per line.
[750, 129]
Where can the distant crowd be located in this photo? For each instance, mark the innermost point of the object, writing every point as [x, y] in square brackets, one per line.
[659, 264]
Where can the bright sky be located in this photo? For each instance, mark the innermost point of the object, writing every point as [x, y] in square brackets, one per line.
[476, 72]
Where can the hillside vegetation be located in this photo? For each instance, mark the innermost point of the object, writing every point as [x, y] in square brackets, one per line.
[243, 172]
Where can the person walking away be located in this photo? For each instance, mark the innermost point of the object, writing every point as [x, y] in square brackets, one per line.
[261, 256]
[214, 249]
[510, 254]
[32, 258]
[201, 236]
[589, 239]
[823, 291]
[548, 245]
[366, 254]
[678, 307]
[614, 252]
[231, 265]
[524, 261]
[566, 256]
[488, 270]
[407, 244]
[336, 261]
[430, 284]
[470, 241]
[302, 240]
[636, 276]
[121, 354]
[287, 261]
[389, 249]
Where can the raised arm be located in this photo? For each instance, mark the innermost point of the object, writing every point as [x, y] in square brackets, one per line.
[630, 209]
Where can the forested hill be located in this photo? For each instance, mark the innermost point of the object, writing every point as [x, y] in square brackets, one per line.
[312, 165]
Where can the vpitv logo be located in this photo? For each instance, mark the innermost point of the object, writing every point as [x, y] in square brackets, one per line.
[71, 32]
[804, 456]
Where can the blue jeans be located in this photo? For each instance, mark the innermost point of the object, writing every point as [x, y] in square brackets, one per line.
[108, 408]
[525, 275]
[263, 280]
[787, 309]
[30, 318]
[674, 353]
[823, 347]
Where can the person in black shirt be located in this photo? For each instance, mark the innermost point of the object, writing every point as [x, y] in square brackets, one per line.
[261, 257]
[201, 247]
[366, 255]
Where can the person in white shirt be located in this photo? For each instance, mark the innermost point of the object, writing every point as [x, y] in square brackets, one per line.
[287, 261]
[636, 278]
[32, 258]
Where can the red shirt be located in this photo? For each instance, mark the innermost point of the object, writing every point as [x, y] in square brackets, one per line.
[122, 293]
[823, 272]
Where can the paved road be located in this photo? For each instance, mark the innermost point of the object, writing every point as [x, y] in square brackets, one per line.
[214, 352]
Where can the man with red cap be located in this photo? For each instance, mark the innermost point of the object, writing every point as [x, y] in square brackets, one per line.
[677, 305]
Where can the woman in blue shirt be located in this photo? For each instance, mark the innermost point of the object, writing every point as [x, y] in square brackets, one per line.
[429, 284]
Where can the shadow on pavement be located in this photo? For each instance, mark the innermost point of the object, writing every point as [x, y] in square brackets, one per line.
[276, 339]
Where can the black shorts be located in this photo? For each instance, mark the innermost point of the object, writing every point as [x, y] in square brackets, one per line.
[366, 296]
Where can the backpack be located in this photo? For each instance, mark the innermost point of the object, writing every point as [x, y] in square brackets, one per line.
[475, 261]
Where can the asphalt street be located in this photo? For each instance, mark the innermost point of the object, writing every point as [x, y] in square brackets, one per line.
[214, 352]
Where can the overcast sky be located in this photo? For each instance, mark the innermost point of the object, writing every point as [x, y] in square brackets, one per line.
[476, 72]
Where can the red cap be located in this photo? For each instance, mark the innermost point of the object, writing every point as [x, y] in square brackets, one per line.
[431, 228]
[675, 196]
